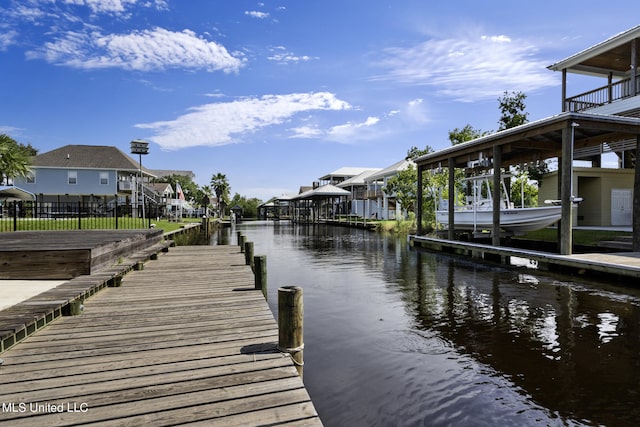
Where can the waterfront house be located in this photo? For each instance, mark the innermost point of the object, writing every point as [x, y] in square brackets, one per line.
[92, 175]
[380, 204]
[357, 186]
[599, 121]
[340, 175]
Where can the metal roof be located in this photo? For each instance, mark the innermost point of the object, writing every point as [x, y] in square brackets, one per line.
[612, 55]
[13, 193]
[344, 172]
[391, 170]
[538, 140]
[359, 179]
[323, 191]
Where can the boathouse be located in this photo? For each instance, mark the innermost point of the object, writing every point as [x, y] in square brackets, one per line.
[606, 119]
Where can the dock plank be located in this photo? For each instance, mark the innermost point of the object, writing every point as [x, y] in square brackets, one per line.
[186, 340]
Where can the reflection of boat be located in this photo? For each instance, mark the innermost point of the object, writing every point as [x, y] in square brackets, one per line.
[477, 214]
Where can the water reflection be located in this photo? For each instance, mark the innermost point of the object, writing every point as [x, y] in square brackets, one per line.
[398, 336]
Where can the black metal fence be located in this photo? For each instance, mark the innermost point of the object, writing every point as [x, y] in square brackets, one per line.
[34, 215]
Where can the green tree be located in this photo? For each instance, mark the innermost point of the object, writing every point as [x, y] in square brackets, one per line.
[221, 187]
[404, 187]
[512, 113]
[249, 206]
[520, 186]
[414, 152]
[15, 158]
[467, 133]
[189, 188]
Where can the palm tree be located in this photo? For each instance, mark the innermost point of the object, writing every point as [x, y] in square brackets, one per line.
[221, 188]
[14, 158]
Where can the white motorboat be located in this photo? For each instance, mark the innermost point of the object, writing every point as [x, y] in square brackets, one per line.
[477, 214]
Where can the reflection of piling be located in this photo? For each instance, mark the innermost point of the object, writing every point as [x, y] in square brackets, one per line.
[290, 324]
[260, 273]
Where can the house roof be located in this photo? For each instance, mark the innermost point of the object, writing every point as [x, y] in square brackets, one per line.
[12, 193]
[88, 157]
[390, 170]
[612, 55]
[161, 173]
[345, 172]
[538, 140]
[323, 191]
[359, 179]
[161, 187]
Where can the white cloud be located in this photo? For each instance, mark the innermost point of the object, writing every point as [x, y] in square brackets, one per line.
[468, 69]
[116, 6]
[256, 14]
[283, 56]
[103, 6]
[155, 49]
[7, 39]
[307, 132]
[351, 130]
[220, 123]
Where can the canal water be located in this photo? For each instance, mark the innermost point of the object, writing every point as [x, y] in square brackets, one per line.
[398, 336]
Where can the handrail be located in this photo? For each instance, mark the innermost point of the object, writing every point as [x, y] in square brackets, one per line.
[603, 95]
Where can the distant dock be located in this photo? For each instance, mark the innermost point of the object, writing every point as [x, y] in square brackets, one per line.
[185, 339]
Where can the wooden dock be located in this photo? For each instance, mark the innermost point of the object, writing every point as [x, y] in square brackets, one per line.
[187, 339]
[622, 265]
[68, 254]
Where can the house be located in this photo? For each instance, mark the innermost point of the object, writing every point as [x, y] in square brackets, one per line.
[599, 121]
[90, 174]
[340, 175]
[383, 205]
[356, 202]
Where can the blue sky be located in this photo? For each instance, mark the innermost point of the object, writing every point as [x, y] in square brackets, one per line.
[275, 94]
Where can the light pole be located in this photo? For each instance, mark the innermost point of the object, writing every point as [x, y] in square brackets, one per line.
[140, 147]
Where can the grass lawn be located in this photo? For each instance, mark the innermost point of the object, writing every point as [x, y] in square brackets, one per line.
[89, 224]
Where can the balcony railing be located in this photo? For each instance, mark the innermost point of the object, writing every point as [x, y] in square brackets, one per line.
[604, 95]
[373, 194]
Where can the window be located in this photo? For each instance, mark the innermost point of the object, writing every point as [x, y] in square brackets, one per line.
[30, 178]
[104, 178]
[72, 177]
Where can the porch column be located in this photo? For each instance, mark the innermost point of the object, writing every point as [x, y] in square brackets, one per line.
[419, 201]
[634, 67]
[566, 221]
[564, 90]
[636, 203]
[452, 200]
[497, 196]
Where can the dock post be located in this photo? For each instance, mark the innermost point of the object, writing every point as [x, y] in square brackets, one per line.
[248, 253]
[238, 234]
[241, 240]
[290, 324]
[260, 273]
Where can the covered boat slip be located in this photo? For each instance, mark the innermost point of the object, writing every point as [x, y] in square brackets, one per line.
[559, 136]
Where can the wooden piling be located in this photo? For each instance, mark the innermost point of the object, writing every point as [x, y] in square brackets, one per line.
[290, 324]
[260, 273]
[241, 241]
[248, 253]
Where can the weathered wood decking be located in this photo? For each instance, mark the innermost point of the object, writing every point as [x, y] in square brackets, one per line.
[68, 254]
[186, 340]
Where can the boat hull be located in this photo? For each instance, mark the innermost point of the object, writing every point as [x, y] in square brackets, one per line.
[516, 221]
